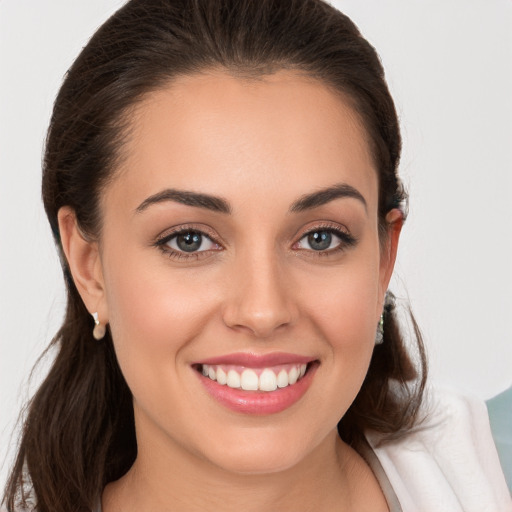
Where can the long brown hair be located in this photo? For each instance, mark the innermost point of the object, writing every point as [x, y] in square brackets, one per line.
[79, 432]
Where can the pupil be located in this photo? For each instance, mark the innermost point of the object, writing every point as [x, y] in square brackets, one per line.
[320, 241]
[189, 242]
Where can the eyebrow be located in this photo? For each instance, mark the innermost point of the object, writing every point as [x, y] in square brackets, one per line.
[218, 204]
[326, 195]
[206, 201]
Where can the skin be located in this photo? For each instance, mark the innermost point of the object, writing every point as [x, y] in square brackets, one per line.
[259, 287]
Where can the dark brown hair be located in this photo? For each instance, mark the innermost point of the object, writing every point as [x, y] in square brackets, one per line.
[79, 430]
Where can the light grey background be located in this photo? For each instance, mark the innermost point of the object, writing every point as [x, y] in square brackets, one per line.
[449, 65]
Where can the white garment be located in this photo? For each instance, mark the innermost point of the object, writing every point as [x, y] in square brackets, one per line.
[450, 463]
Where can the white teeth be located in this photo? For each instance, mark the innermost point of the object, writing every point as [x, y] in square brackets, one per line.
[282, 379]
[249, 380]
[268, 380]
[222, 378]
[233, 380]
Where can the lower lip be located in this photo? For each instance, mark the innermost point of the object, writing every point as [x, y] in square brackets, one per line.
[258, 402]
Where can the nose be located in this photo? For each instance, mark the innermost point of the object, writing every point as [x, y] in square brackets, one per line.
[260, 298]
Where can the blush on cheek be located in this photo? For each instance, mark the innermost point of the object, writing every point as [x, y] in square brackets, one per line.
[346, 312]
[157, 315]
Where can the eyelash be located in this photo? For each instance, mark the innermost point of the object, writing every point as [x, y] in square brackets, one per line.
[173, 254]
[346, 241]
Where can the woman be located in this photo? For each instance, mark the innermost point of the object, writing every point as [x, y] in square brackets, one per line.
[221, 179]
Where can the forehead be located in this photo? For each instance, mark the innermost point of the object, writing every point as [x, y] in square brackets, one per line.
[220, 134]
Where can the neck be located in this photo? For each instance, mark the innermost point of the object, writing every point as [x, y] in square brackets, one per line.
[168, 476]
[182, 481]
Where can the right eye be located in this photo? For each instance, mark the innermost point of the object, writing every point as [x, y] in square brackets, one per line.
[325, 241]
[190, 241]
[320, 240]
[187, 243]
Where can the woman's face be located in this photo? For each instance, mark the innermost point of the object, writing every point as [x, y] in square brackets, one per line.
[240, 239]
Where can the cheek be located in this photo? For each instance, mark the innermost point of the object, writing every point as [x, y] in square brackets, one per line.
[154, 312]
[348, 324]
[342, 308]
[345, 312]
[344, 303]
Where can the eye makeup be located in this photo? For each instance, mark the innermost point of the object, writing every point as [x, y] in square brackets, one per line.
[188, 242]
[193, 242]
[325, 239]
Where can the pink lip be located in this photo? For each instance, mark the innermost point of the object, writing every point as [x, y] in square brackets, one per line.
[250, 360]
[259, 402]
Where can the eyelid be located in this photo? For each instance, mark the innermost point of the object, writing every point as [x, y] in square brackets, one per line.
[347, 240]
[163, 239]
[322, 226]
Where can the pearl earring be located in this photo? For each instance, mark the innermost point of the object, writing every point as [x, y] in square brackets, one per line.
[99, 330]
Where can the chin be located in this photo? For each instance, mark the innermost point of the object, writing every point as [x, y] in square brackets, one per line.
[259, 463]
[260, 454]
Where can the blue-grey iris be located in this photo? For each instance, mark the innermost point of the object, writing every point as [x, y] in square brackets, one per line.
[189, 242]
[320, 240]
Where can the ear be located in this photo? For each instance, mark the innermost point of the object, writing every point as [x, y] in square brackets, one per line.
[394, 223]
[84, 262]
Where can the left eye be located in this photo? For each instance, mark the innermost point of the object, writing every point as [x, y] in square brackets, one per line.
[190, 241]
[321, 240]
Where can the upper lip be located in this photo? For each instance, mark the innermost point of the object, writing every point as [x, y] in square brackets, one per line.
[252, 360]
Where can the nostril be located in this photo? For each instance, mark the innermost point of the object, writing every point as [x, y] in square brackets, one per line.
[260, 300]
[261, 324]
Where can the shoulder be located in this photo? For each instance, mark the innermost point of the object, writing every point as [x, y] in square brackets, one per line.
[449, 463]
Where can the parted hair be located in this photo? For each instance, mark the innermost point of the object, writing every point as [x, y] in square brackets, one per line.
[78, 430]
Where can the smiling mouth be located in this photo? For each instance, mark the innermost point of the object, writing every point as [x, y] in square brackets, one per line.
[254, 379]
[257, 384]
